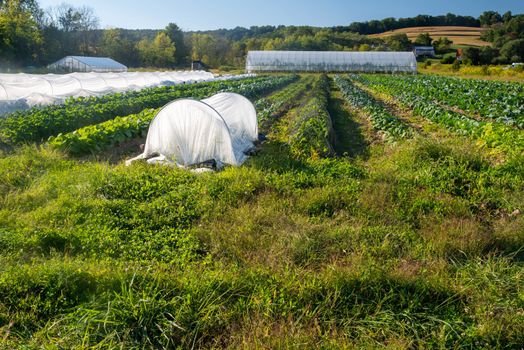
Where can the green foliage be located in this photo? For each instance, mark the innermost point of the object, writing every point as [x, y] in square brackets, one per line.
[38, 124]
[489, 134]
[157, 53]
[20, 37]
[442, 45]
[417, 245]
[398, 42]
[311, 128]
[380, 118]
[423, 39]
[513, 51]
[499, 101]
[94, 138]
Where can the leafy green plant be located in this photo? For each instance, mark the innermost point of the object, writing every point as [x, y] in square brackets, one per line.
[97, 137]
[39, 124]
[380, 118]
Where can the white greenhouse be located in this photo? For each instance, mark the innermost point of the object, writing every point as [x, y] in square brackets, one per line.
[331, 61]
[87, 64]
[222, 128]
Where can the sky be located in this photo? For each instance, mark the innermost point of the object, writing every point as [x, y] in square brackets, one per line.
[215, 14]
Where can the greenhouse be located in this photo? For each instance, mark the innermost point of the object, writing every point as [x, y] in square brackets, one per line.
[331, 61]
[87, 64]
[188, 132]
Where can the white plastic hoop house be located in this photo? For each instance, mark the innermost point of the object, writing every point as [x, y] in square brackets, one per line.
[331, 61]
[221, 128]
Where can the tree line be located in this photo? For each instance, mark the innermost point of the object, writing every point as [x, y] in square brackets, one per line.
[31, 36]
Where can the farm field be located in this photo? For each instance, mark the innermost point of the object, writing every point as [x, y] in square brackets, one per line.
[469, 36]
[382, 211]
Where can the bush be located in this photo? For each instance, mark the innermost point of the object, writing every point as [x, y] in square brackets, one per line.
[448, 59]
[456, 66]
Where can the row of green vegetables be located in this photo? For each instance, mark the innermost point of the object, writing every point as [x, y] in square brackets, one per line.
[40, 123]
[499, 101]
[489, 134]
[270, 108]
[97, 137]
[311, 129]
[381, 119]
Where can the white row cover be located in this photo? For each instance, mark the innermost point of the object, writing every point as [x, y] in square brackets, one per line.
[187, 131]
[22, 91]
[331, 61]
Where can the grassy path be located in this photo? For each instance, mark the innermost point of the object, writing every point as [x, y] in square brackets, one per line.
[353, 133]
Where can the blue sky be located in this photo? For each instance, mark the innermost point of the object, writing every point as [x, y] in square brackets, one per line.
[214, 14]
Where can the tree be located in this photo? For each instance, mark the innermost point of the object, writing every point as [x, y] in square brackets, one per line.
[203, 47]
[77, 24]
[113, 44]
[442, 45]
[157, 53]
[490, 17]
[513, 51]
[398, 42]
[423, 39]
[20, 35]
[506, 17]
[488, 55]
[176, 35]
[471, 55]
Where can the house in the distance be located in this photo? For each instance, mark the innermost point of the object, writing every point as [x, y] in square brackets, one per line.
[424, 51]
[87, 64]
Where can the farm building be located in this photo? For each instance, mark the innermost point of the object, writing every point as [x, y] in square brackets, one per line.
[87, 64]
[424, 51]
[330, 61]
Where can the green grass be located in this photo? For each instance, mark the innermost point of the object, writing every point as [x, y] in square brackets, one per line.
[413, 244]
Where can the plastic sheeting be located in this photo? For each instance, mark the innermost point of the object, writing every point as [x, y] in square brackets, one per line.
[22, 91]
[87, 64]
[331, 61]
[240, 116]
[188, 132]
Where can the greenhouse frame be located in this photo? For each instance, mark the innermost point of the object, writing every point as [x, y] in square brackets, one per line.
[87, 64]
[331, 61]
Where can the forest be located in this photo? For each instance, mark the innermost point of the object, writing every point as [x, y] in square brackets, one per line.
[33, 37]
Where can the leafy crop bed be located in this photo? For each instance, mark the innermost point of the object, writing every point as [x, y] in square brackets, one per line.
[381, 119]
[38, 124]
[490, 134]
[416, 243]
[498, 101]
[95, 138]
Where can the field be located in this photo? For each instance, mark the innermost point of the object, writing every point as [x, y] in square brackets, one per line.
[383, 211]
[469, 36]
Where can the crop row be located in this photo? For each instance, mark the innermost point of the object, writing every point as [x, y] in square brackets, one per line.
[271, 107]
[40, 123]
[94, 138]
[493, 135]
[379, 116]
[499, 101]
[311, 128]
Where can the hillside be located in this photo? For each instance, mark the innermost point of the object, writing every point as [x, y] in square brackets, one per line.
[459, 35]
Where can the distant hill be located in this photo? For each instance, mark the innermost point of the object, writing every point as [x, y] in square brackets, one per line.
[459, 35]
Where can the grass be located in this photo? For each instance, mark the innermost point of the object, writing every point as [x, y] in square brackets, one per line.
[412, 244]
[475, 72]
